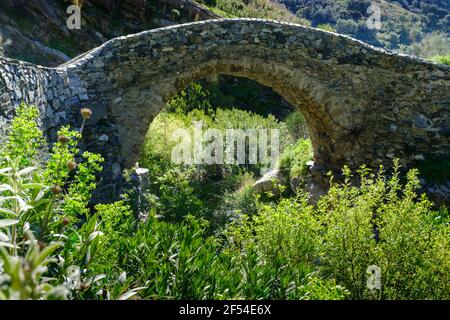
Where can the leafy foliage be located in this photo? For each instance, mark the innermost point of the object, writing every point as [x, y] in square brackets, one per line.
[53, 245]
[404, 23]
[253, 9]
[442, 59]
[296, 157]
[25, 138]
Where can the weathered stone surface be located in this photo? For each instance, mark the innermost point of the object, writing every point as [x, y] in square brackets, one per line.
[438, 193]
[363, 105]
[270, 182]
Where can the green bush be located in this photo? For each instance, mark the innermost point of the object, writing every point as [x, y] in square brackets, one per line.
[295, 158]
[384, 223]
[40, 238]
[380, 223]
[178, 261]
[117, 221]
[282, 248]
[442, 59]
[254, 9]
[24, 139]
[201, 190]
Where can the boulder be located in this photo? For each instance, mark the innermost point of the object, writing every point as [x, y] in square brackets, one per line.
[270, 182]
[439, 193]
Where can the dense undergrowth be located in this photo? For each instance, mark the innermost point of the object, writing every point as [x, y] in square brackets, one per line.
[253, 9]
[442, 59]
[233, 245]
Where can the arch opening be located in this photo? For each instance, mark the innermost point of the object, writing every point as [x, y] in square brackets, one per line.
[214, 180]
[299, 91]
[215, 98]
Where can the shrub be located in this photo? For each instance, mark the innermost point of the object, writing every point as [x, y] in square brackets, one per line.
[175, 197]
[178, 261]
[25, 139]
[326, 27]
[384, 223]
[201, 190]
[295, 158]
[287, 230]
[238, 201]
[256, 9]
[296, 126]
[380, 223]
[442, 59]
[433, 44]
[40, 242]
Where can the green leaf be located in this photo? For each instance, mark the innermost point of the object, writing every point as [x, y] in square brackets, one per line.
[6, 244]
[8, 222]
[7, 211]
[26, 171]
[4, 237]
[5, 170]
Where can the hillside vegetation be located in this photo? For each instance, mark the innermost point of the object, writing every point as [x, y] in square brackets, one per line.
[265, 9]
[405, 24]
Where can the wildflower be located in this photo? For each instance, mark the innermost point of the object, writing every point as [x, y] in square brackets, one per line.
[56, 190]
[65, 221]
[71, 165]
[86, 113]
[63, 139]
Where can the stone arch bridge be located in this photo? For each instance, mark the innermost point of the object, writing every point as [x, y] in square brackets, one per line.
[363, 105]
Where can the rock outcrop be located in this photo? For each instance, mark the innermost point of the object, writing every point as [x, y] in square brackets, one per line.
[35, 30]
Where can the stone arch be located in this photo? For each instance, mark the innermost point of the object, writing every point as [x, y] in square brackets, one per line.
[363, 105]
[298, 91]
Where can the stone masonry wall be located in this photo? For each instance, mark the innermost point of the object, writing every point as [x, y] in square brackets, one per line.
[363, 105]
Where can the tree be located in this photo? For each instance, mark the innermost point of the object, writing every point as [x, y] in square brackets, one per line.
[347, 27]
